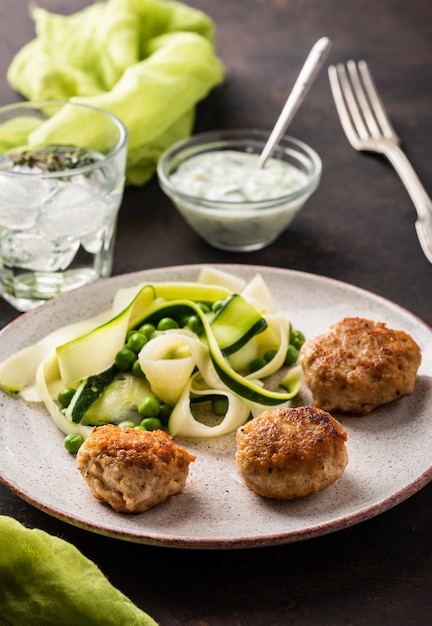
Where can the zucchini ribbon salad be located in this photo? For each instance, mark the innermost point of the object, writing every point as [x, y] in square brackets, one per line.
[197, 359]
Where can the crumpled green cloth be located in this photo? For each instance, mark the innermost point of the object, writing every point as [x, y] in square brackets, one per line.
[45, 581]
[147, 61]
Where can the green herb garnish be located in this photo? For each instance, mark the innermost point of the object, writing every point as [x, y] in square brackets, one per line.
[54, 158]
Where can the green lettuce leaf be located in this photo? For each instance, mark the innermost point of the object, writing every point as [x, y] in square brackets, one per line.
[147, 61]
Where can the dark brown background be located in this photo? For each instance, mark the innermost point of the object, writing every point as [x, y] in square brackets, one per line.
[359, 228]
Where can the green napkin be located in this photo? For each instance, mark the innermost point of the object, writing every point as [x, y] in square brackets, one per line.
[45, 580]
[147, 61]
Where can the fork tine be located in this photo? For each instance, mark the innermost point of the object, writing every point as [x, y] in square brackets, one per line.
[363, 100]
[340, 87]
[376, 102]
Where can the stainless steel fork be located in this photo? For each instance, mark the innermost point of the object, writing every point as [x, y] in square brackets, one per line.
[367, 127]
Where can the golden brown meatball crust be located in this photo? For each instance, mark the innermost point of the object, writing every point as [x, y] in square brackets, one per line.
[130, 469]
[289, 453]
[358, 364]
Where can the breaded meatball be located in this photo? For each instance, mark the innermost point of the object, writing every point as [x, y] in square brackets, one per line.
[289, 453]
[132, 470]
[358, 364]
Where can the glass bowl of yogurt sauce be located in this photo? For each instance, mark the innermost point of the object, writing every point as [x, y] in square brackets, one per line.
[214, 181]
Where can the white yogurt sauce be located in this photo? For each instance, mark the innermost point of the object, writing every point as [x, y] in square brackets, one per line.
[233, 176]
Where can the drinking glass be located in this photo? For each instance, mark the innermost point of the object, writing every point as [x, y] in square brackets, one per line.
[62, 172]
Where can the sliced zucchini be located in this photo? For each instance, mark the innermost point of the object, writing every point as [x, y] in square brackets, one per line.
[191, 291]
[258, 293]
[88, 392]
[237, 383]
[213, 276]
[235, 323]
[94, 352]
[118, 402]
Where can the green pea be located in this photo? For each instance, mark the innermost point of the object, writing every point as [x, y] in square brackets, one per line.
[166, 323]
[219, 405]
[73, 442]
[124, 359]
[297, 339]
[270, 355]
[126, 424]
[218, 304]
[137, 341]
[257, 364]
[151, 423]
[195, 324]
[291, 355]
[149, 407]
[65, 396]
[147, 329]
[204, 307]
[136, 370]
[165, 413]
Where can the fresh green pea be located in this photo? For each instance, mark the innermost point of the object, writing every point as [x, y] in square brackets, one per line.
[137, 341]
[291, 355]
[139, 427]
[218, 304]
[166, 323]
[136, 370]
[126, 424]
[149, 407]
[257, 364]
[165, 413]
[124, 359]
[270, 355]
[65, 396]
[219, 405]
[195, 324]
[204, 307]
[151, 423]
[73, 442]
[297, 339]
[147, 329]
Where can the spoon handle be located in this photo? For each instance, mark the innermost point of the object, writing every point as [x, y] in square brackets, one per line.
[309, 71]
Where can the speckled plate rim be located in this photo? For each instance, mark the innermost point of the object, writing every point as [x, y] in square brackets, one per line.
[216, 511]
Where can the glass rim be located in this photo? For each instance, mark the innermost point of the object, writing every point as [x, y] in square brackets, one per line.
[37, 104]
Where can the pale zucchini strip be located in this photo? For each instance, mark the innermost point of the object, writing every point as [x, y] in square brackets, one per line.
[47, 379]
[259, 295]
[212, 276]
[276, 334]
[19, 370]
[185, 290]
[200, 357]
[95, 351]
[183, 424]
[167, 365]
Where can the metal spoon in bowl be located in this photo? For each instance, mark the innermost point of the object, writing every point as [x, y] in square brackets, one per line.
[309, 71]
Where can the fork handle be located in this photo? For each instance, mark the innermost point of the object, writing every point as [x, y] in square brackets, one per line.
[407, 174]
[418, 194]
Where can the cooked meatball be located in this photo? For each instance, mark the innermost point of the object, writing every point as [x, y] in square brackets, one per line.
[358, 364]
[289, 453]
[132, 470]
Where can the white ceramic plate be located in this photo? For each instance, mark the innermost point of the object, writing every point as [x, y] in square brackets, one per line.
[389, 450]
